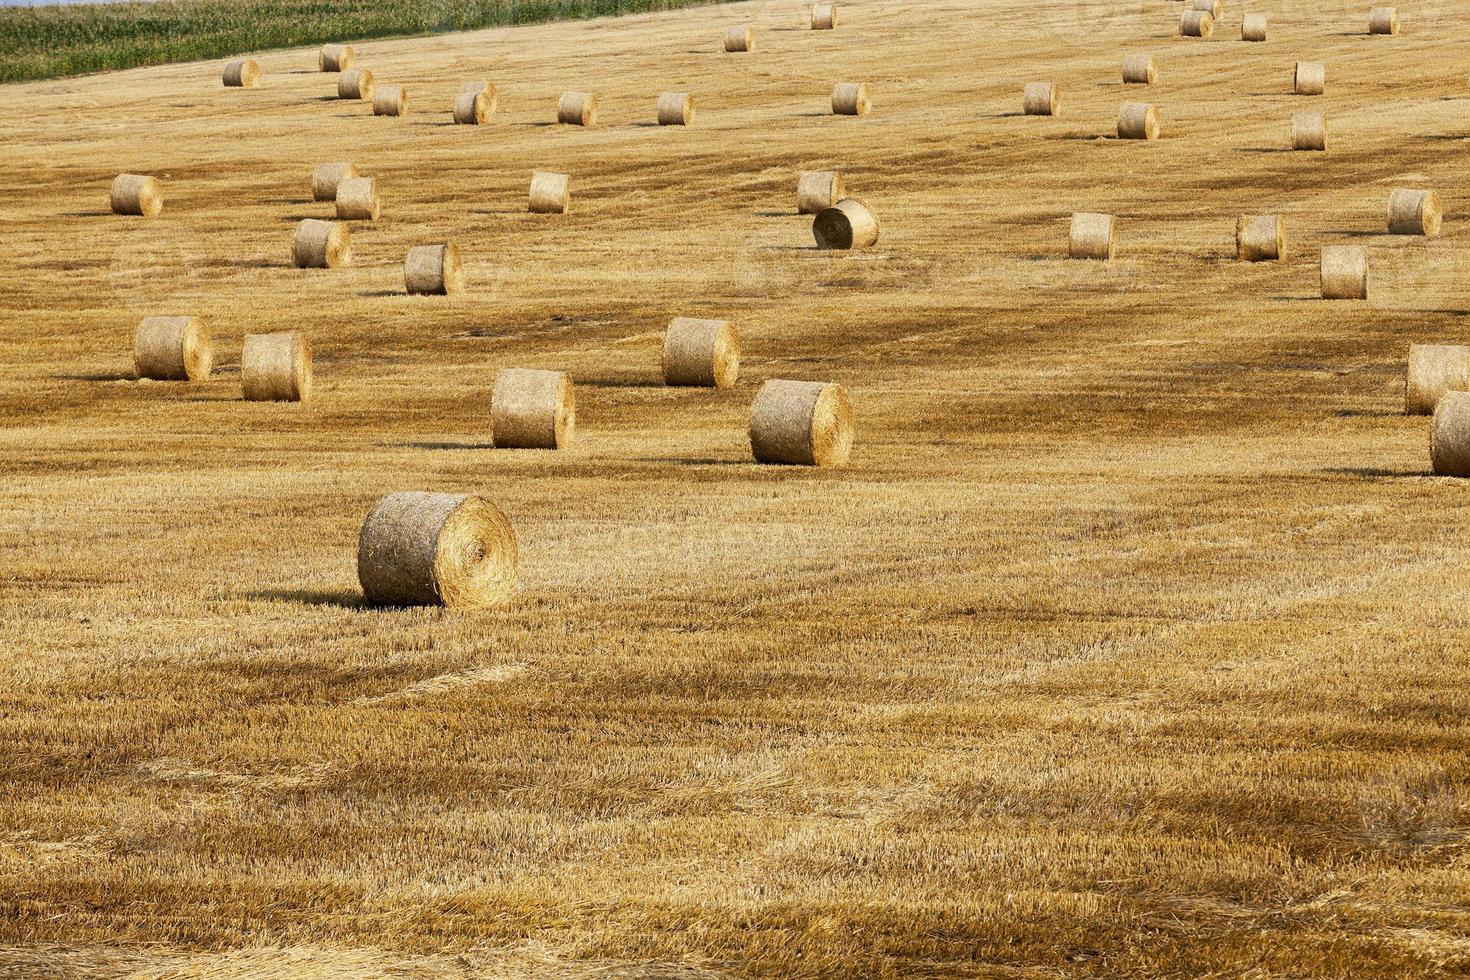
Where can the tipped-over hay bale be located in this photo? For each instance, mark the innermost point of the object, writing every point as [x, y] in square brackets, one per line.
[1041, 99]
[1138, 69]
[1308, 131]
[472, 108]
[433, 270]
[242, 73]
[390, 100]
[845, 225]
[357, 199]
[801, 423]
[551, 193]
[740, 37]
[172, 348]
[136, 194]
[1253, 27]
[1093, 236]
[1212, 7]
[436, 549]
[326, 177]
[1414, 213]
[335, 57]
[1196, 23]
[321, 245]
[577, 109]
[1344, 272]
[824, 16]
[1383, 20]
[702, 353]
[532, 409]
[1138, 121]
[1449, 435]
[818, 190]
[1259, 238]
[850, 99]
[675, 109]
[276, 367]
[1434, 370]
[355, 83]
[1309, 78]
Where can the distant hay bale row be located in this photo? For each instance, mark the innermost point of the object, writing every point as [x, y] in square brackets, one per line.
[701, 353]
[1253, 27]
[1383, 20]
[818, 190]
[1344, 272]
[1449, 435]
[1309, 78]
[1259, 238]
[740, 37]
[848, 224]
[326, 177]
[276, 367]
[1309, 131]
[824, 16]
[172, 348]
[1041, 99]
[136, 194]
[675, 109]
[1138, 69]
[532, 409]
[242, 73]
[355, 83]
[1196, 23]
[335, 57]
[577, 109]
[454, 550]
[851, 99]
[321, 245]
[801, 423]
[1434, 370]
[390, 100]
[1414, 213]
[550, 193]
[1138, 121]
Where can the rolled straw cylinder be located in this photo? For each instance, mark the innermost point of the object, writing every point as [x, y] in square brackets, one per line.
[1196, 23]
[136, 194]
[577, 109]
[847, 224]
[1344, 272]
[472, 108]
[701, 353]
[335, 57]
[532, 409]
[824, 16]
[675, 109]
[433, 270]
[1138, 69]
[1449, 435]
[1138, 121]
[818, 190]
[1309, 78]
[1434, 370]
[1259, 238]
[357, 199]
[1253, 27]
[1093, 236]
[321, 245]
[1212, 7]
[326, 177]
[850, 99]
[276, 367]
[436, 549]
[172, 348]
[1414, 213]
[1041, 99]
[242, 73]
[1308, 131]
[355, 83]
[550, 193]
[390, 100]
[481, 85]
[1383, 20]
[740, 37]
[801, 423]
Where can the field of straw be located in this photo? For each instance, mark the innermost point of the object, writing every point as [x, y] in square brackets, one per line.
[1133, 640]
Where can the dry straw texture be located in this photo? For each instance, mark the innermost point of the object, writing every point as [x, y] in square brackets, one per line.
[851, 99]
[172, 348]
[357, 199]
[482, 85]
[321, 245]
[1138, 121]
[326, 176]
[355, 83]
[433, 270]
[848, 224]
[1196, 23]
[471, 108]
[577, 109]
[532, 409]
[1212, 7]
[675, 109]
[390, 100]
[136, 194]
[335, 57]
[818, 190]
[1041, 99]
[1449, 435]
[1413, 212]
[428, 549]
[1138, 69]
[701, 353]
[1383, 20]
[1344, 272]
[824, 16]
[1308, 131]
[1309, 78]
[276, 367]
[1253, 27]
[801, 423]
[551, 193]
[740, 37]
[1434, 370]
[242, 73]
[1092, 236]
[1259, 238]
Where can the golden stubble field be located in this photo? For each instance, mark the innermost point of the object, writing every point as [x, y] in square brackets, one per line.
[1133, 640]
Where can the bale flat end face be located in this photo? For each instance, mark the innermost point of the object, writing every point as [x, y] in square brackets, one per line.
[437, 549]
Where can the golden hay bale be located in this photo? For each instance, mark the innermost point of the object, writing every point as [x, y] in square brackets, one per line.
[850, 99]
[481, 85]
[675, 109]
[1138, 69]
[433, 270]
[321, 245]
[847, 224]
[577, 109]
[1414, 213]
[276, 367]
[390, 100]
[1093, 236]
[1344, 272]
[532, 409]
[818, 190]
[801, 423]
[1449, 435]
[136, 194]
[471, 108]
[335, 57]
[357, 199]
[550, 193]
[1308, 131]
[355, 83]
[172, 348]
[1309, 78]
[1196, 23]
[1434, 370]
[701, 353]
[824, 16]
[1383, 20]
[242, 73]
[427, 549]
[740, 37]
[1259, 238]
[1253, 27]
[326, 177]
[1138, 121]
[1041, 99]
[1212, 7]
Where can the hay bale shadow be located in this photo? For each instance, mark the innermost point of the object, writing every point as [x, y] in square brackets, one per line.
[339, 598]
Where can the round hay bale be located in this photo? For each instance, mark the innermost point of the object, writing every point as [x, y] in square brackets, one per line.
[740, 37]
[1041, 99]
[136, 194]
[1414, 213]
[675, 109]
[1344, 272]
[1138, 121]
[532, 409]
[848, 224]
[1434, 370]
[335, 57]
[824, 16]
[1259, 238]
[355, 83]
[1196, 23]
[1383, 20]
[577, 109]
[390, 100]
[1309, 78]
[1092, 236]
[850, 99]
[818, 190]
[172, 348]
[1138, 69]
[321, 245]
[550, 193]
[1308, 131]
[1253, 27]
[1449, 435]
[436, 549]
[1212, 7]
[701, 353]
[276, 367]
[801, 423]
[242, 73]
[471, 108]
[357, 199]
[481, 85]
[433, 270]
[326, 177]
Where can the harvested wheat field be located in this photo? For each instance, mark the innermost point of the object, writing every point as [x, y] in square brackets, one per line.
[1132, 639]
